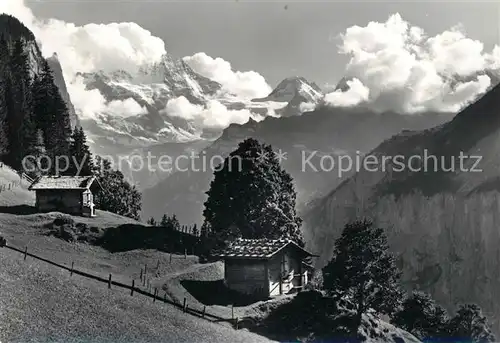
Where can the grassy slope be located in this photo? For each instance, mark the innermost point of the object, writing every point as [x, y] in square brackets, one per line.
[41, 303]
[18, 195]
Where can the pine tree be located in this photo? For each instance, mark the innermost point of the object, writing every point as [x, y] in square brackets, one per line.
[363, 271]
[252, 196]
[81, 160]
[164, 221]
[152, 221]
[470, 325]
[174, 222]
[205, 229]
[422, 317]
[51, 115]
[194, 230]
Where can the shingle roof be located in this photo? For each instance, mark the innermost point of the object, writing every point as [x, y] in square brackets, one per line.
[256, 248]
[62, 182]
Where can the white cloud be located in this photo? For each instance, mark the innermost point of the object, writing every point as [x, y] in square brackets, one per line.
[399, 68]
[356, 94]
[212, 115]
[91, 103]
[90, 48]
[249, 84]
[307, 107]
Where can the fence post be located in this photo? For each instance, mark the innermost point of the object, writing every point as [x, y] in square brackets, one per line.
[184, 306]
[25, 253]
[155, 294]
[141, 274]
[185, 253]
[109, 281]
[158, 265]
[204, 309]
[236, 322]
[72, 266]
[132, 289]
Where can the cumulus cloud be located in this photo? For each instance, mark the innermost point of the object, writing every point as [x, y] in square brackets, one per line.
[248, 84]
[212, 115]
[396, 66]
[90, 48]
[355, 94]
[91, 103]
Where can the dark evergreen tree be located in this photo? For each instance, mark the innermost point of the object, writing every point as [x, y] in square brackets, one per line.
[470, 325]
[117, 195]
[174, 222]
[152, 221]
[164, 221]
[205, 229]
[363, 271]
[81, 160]
[252, 196]
[20, 124]
[52, 116]
[194, 230]
[422, 317]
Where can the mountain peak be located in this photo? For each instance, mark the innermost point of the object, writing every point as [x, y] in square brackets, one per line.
[293, 87]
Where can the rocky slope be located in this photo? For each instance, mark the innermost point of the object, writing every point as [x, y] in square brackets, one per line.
[442, 217]
[60, 82]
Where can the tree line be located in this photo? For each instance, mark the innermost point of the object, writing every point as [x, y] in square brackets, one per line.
[35, 121]
[35, 118]
[364, 278]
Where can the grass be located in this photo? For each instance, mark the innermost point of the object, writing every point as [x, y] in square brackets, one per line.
[41, 303]
[17, 195]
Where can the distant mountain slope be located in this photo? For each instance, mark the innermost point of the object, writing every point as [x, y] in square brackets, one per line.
[442, 222]
[60, 82]
[321, 134]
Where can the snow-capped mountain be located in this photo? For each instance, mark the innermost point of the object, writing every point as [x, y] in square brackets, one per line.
[299, 94]
[150, 122]
[154, 86]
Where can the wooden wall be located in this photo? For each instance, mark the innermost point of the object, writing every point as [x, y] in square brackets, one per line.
[287, 261]
[66, 201]
[247, 276]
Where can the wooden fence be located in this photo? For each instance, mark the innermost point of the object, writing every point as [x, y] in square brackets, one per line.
[200, 313]
[14, 184]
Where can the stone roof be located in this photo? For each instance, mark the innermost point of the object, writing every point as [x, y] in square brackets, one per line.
[256, 248]
[62, 182]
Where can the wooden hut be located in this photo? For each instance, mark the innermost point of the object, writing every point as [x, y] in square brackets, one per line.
[265, 267]
[67, 194]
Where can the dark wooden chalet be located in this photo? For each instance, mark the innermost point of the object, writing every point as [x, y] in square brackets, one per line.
[264, 267]
[67, 194]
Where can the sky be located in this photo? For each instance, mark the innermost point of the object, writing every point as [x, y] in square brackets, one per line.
[276, 38]
[407, 57]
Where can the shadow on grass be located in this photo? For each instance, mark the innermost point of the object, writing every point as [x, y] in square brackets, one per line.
[133, 236]
[216, 293]
[23, 210]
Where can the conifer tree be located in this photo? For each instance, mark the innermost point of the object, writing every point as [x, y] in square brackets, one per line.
[363, 271]
[252, 196]
[164, 221]
[52, 115]
[470, 325]
[81, 160]
[194, 230]
[422, 317]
